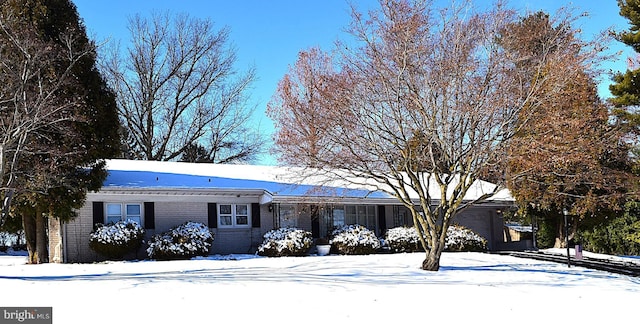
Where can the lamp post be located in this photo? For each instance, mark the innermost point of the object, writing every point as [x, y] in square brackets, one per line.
[566, 235]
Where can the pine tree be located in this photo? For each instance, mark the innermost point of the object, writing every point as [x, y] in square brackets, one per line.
[626, 86]
[59, 161]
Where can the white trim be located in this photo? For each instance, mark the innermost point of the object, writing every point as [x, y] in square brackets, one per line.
[172, 195]
[234, 215]
[266, 198]
[123, 210]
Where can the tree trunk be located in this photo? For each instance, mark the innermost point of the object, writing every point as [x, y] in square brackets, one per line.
[35, 232]
[561, 241]
[41, 238]
[432, 261]
[6, 204]
[29, 227]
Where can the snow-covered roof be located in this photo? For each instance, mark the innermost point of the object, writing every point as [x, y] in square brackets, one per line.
[278, 181]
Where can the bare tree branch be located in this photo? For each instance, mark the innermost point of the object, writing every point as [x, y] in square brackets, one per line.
[424, 103]
[177, 87]
[31, 107]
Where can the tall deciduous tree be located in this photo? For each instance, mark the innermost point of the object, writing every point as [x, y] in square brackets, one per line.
[305, 122]
[177, 87]
[571, 158]
[427, 99]
[58, 116]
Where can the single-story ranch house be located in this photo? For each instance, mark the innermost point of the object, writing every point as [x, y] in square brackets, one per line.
[240, 203]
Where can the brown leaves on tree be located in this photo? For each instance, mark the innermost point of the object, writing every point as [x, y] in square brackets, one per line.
[423, 98]
[436, 97]
[566, 155]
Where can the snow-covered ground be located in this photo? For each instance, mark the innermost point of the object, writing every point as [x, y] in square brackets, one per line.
[388, 288]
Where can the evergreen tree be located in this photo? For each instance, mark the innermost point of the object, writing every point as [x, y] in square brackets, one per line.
[60, 161]
[626, 86]
[196, 153]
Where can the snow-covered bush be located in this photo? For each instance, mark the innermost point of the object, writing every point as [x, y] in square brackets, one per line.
[459, 238]
[181, 242]
[354, 239]
[114, 241]
[286, 242]
[403, 239]
[462, 239]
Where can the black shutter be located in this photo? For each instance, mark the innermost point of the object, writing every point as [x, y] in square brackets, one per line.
[255, 215]
[98, 213]
[149, 215]
[212, 213]
[315, 221]
[382, 219]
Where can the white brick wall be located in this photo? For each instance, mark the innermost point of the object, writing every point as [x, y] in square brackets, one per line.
[170, 214]
[174, 210]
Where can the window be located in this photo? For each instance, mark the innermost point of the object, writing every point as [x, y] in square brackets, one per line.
[338, 217]
[233, 215]
[355, 214]
[287, 216]
[120, 211]
[400, 216]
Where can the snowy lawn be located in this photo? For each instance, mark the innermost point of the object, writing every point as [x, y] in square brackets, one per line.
[390, 288]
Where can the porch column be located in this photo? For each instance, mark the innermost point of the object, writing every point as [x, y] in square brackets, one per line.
[55, 240]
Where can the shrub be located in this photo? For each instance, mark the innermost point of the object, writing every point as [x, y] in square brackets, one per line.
[546, 232]
[286, 242]
[114, 241]
[354, 239]
[462, 239]
[403, 239]
[182, 242]
[617, 235]
[459, 238]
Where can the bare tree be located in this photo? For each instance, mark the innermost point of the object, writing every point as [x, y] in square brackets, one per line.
[32, 106]
[177, 86]
[427, 101]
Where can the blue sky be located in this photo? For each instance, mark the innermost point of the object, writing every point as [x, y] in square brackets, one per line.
[268, 34]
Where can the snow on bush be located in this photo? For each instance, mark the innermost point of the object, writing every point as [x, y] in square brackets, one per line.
[403, 239]
[459, 239]
[354, 239]
[116, 240]
[286, 242]
[462, 239]
[182, 242]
